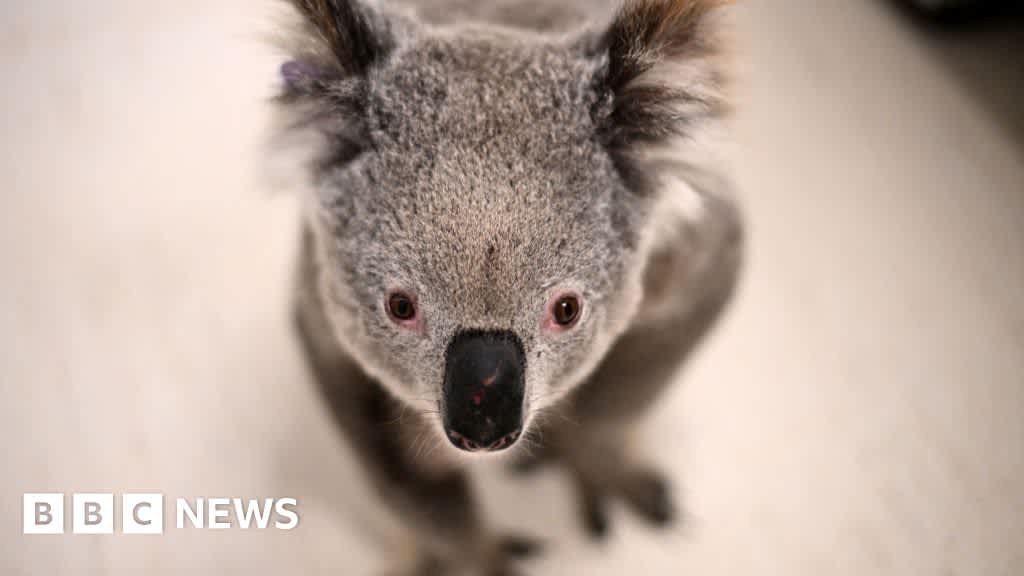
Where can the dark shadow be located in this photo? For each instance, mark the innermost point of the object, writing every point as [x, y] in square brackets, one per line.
[981, 43]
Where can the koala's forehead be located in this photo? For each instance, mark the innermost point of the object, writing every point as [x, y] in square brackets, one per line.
[461, 93]
[484, 170]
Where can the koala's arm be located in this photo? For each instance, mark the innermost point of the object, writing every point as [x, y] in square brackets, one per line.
[690, 277]
[431, 498]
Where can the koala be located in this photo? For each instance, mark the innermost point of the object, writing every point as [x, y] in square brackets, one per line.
[518, 224]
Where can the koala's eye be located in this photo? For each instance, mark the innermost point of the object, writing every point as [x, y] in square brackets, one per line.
[566, 311]
[401, 307]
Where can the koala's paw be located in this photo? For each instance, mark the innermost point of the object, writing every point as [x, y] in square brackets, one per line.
[645, 491]
[648, 493]
[509, 550]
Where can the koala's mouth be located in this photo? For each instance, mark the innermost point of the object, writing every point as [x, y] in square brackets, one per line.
[484, 388]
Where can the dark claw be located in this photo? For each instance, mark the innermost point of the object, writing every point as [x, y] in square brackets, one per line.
[521, 547]
[651, 497]
[595, 519]
[594, 510]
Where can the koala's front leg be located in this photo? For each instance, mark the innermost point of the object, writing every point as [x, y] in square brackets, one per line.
[687, 285]
[596, 446]
[611, 471]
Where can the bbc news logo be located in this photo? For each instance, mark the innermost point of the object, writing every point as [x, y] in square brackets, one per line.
[94, 513]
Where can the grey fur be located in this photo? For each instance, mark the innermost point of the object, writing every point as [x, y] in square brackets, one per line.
[484, 169]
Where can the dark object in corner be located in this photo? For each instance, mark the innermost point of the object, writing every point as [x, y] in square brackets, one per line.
[959, 11]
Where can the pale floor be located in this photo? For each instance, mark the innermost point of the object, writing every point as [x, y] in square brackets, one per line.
[860, 411]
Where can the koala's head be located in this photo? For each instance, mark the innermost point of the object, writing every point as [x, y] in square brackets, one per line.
[481, 206]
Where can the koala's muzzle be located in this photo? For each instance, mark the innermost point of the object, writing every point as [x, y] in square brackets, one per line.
[483, 391]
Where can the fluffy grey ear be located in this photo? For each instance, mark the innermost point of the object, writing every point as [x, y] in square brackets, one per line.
[322, 120]
[662, 76]
[339, 39]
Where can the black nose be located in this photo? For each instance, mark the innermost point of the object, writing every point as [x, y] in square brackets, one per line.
[483, 390]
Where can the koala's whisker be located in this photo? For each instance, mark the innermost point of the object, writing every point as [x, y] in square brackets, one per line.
[397, 419]
[416, 447]
[437, 444]
[540, 396]
[529, 443]
[560, 412]
[525, 447]
[425, 446]
[565, 417]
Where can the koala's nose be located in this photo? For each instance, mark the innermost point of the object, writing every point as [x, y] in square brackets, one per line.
[483, 390]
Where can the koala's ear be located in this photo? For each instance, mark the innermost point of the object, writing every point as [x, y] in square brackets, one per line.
[340, 39]
[662, 73]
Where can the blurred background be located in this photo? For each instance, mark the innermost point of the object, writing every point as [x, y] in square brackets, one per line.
[859, 411]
